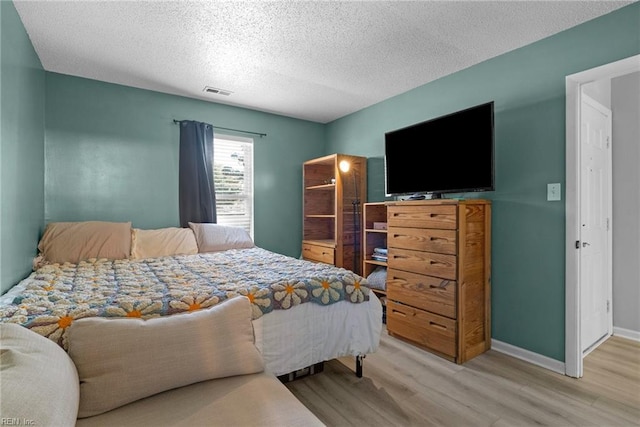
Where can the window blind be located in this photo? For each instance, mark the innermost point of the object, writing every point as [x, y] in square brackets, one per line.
[233, 178]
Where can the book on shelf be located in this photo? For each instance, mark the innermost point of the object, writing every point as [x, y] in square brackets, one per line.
[379, 257]
[382, 251]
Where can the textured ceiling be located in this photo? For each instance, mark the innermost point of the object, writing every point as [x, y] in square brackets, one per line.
[317, 60]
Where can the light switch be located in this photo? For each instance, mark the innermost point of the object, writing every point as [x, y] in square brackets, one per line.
[553, 192]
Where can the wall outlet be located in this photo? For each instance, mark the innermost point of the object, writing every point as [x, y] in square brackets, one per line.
[553, 192]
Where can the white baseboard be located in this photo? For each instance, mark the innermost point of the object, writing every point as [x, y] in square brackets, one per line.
[626, 333]
[528, 356]
[547, 362]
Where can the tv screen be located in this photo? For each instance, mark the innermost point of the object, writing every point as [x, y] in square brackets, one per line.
[449, 154]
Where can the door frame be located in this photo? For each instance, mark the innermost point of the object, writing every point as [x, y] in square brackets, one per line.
[573, 83]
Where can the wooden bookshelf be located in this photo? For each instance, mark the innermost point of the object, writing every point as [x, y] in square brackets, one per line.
[329, 221]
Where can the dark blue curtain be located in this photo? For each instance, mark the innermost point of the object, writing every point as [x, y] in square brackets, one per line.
[197, 194]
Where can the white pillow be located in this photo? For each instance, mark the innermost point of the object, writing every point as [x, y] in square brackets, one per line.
[162, 242]
[38, 381]
[216, 237]
[122, 360]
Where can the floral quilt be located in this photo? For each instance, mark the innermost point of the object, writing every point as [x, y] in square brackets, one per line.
[56, 295]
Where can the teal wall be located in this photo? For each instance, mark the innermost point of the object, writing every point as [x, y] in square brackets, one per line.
[112, 154]
[22, 83]
[528, 87]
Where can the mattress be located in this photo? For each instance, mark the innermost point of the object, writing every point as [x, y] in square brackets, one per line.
[307, 334]
[303, 312]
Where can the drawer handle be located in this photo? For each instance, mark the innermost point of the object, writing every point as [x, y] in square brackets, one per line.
[437, 326]
[442, 285]
[432, 262]
[433, 239]
[433, 215]
[399, 313]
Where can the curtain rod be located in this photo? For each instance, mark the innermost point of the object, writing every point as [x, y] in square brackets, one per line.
[234, 130]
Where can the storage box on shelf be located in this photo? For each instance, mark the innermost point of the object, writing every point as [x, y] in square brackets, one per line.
[438, 278]
[331, 221]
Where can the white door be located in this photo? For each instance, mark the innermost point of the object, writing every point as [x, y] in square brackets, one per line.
[595, 225]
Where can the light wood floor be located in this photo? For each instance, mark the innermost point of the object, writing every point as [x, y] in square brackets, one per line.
[405, 386]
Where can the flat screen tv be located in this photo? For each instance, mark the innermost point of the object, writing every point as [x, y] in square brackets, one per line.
[448, 154]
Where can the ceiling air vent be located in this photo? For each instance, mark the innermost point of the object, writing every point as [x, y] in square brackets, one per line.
[217, 91]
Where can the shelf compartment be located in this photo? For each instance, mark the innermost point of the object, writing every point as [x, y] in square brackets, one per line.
[373, 237]
[321, 187]
[319, 227]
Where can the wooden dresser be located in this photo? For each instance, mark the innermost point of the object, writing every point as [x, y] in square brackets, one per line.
[439, 273]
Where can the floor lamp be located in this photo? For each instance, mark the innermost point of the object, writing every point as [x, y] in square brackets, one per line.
[345, 166]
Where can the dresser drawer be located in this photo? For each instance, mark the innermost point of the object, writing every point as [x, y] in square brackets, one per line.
[424, 328]
[431, 264]
[441, 216]
[423, 239]
[429, 293]
[318, 253]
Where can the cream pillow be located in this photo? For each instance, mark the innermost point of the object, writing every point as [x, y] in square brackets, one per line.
[162, 242]
[122, 360]
[76, 241]
[215, 237]
[38, 381]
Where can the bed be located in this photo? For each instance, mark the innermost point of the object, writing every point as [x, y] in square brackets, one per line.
[303, 313]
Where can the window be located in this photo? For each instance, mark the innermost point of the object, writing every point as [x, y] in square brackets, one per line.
[233, 177]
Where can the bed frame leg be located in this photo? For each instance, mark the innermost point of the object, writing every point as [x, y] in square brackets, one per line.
[359, 359]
